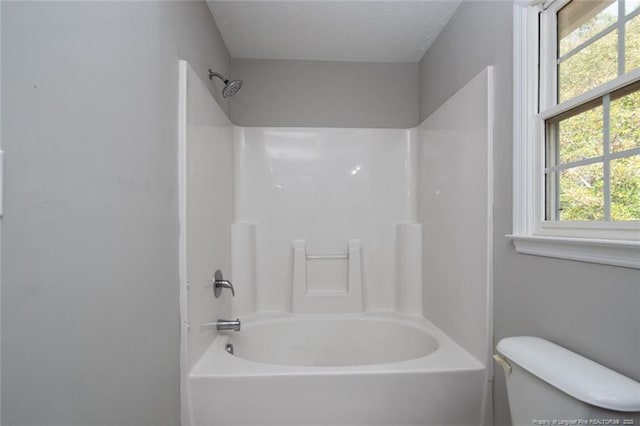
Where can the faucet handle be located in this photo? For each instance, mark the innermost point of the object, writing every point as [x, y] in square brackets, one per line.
[219, 283]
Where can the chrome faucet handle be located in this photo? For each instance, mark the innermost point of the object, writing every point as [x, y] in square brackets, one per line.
[219, 283]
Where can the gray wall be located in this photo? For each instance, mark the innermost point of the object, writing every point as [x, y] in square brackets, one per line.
[325, 94]
[90, 232]
[591, 309]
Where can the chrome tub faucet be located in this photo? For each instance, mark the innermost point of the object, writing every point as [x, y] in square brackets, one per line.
[222, 325]
[219, 283]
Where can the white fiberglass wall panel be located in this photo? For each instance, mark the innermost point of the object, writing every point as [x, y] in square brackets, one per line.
[206, 211]
[455, 187]
[324, 186]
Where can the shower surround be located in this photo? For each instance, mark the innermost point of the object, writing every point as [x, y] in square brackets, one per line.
[320, 189]
[360, 260]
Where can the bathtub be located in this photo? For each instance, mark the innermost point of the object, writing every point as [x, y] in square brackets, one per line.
[372, 369]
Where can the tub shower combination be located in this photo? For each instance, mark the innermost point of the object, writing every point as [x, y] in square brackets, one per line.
[342, 277]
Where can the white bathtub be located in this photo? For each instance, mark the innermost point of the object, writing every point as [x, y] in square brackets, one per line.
[336, 370]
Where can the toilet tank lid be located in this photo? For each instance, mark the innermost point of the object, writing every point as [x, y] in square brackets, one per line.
[573, 374]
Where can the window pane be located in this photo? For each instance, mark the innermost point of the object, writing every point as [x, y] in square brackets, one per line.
[625, 122]
[632, 44]
[631, 5]
[625, 188]
[581, 136]
[590, 67]
[581, 193]
[578, 21]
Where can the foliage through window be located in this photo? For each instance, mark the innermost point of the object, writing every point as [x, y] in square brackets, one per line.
[592, 150]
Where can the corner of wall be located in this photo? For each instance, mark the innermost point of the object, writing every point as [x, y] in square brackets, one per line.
[202, 46]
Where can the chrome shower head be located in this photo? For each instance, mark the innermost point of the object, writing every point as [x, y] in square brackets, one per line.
[230, 87]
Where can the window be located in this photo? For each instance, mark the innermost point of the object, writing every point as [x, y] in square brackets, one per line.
[592, 170]
[577, 130]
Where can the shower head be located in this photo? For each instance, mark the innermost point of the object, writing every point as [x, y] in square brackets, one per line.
[230, 87]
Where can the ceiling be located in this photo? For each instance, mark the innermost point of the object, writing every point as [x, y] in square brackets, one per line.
[329, 30]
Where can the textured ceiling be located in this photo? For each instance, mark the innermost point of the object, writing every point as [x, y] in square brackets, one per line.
[329, 30]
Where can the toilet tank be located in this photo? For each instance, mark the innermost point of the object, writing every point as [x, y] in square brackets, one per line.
[548, 384]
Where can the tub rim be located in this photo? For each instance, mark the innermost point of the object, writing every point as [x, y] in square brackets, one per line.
[447, 357]
[358, 318]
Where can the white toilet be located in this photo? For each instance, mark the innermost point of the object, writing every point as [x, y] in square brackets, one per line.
[548, 384]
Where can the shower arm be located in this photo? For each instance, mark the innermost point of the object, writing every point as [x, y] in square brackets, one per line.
[216, 74]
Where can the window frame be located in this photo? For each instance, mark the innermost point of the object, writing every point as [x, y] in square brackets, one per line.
[535, 84]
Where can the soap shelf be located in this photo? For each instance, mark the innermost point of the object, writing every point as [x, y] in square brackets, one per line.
[327, 282]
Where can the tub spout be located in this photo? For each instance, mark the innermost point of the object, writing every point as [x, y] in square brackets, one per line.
[228, 325]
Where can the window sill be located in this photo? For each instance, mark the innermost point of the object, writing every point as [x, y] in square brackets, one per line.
[608, 252]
